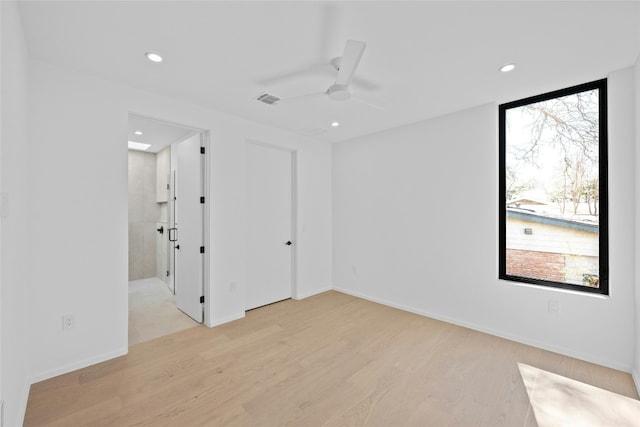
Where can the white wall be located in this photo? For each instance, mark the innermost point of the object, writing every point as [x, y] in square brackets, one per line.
[14, 167]
[415, 226]
[636, 365]
[79, 206]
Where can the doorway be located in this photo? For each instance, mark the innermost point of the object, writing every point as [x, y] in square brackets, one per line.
[270, 199]
[166, 227]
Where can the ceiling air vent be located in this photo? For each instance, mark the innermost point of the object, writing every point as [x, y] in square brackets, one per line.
[268, 98]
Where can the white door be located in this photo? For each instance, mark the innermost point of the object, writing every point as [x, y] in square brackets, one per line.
[189, 224]
[269, 225]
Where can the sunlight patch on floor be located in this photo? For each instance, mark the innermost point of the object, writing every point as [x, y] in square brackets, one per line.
[561, 401]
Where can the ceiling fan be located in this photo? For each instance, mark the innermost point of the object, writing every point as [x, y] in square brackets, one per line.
[346, 66]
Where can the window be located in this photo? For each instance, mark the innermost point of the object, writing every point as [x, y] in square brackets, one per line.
[553, 189]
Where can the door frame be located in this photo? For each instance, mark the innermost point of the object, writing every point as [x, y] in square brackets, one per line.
[294, 208]
[205, 172]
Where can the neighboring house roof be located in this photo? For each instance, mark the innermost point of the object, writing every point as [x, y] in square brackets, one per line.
[524, 201]
[552, 220]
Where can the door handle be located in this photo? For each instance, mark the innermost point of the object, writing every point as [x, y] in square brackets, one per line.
[289, 243]
[173, 237]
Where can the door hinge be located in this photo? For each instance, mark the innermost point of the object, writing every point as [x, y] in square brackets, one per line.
[201, 199]
[167, 273]
[202, 299]
[201, 150]
[167, 186]
[201, 249]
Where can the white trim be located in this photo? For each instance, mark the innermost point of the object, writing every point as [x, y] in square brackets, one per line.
[194, 130]
[70, 367]
[218, 322]
[636, 379]
[500, 334]
[312, 293]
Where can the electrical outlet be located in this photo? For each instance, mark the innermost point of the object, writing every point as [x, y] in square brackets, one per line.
[68, 322]
[1, 413]
[232, 286]
[554, 307]
[354, 270]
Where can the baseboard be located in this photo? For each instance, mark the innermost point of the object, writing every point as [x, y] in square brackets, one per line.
[78, 365]
[497, 333]
[636, 379]
[300, 296]
[22, 408]
[218, 322]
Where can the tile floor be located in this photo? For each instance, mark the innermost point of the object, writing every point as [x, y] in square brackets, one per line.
[153, 312]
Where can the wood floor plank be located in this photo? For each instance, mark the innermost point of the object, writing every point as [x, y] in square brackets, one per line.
[328, 360]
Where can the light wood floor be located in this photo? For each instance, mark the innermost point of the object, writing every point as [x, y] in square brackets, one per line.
[332, 359]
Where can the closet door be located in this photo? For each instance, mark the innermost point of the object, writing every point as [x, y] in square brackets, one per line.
[269, 224]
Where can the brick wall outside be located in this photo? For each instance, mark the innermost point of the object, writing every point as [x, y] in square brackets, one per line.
[539, 265]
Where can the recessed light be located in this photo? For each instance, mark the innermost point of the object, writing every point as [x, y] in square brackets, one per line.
[153, 56]
[133, 145]
[137, 132]
[335, 124]
[507, 67]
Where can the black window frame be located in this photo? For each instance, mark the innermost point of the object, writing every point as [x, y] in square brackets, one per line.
[603, 222]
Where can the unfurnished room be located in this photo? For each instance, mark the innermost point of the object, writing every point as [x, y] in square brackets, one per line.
[319, 213]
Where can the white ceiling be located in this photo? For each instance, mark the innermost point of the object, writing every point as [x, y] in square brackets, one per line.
[157, 133]
[423, 59]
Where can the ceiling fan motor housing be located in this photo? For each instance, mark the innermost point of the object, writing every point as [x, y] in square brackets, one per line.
[339, 92]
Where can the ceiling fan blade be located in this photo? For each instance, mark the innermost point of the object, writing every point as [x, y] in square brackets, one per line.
[365, 84]
[368, 103]
[350, 59]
